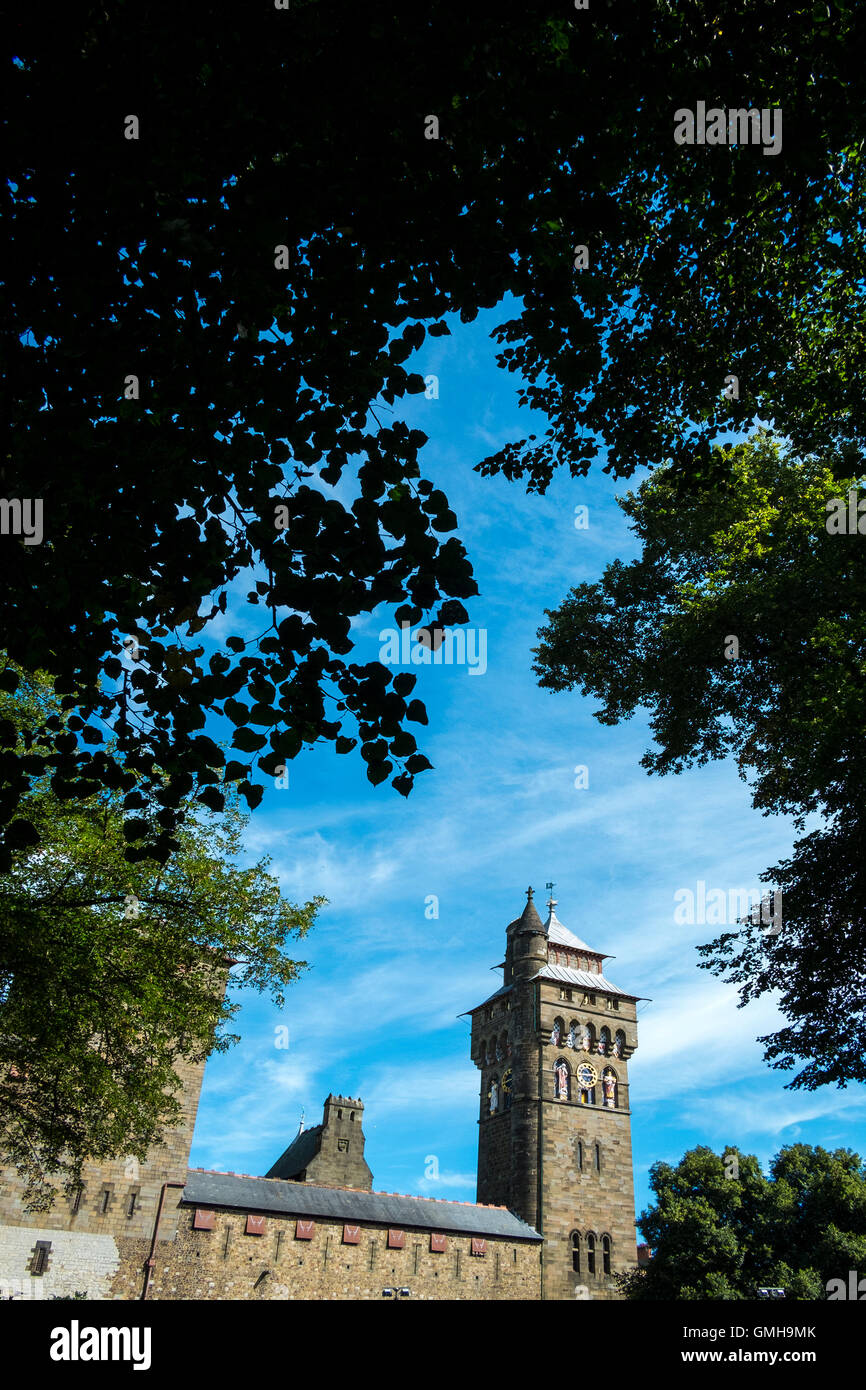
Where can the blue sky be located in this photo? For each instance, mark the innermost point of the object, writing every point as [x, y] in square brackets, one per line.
[377, 1014]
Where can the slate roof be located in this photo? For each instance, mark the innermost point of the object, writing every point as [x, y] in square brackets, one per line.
[528, 920]
[300, 1152]
[503, 989]
[205, 1189]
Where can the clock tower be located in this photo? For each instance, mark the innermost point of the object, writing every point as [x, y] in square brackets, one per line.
[554, 1143]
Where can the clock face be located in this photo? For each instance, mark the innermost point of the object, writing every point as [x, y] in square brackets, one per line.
[586, 1076]
[507, 1079]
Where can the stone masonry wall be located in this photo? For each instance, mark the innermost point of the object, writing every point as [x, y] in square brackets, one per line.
[228, 1263]
[92, 1232]
[585, 1199]
[340, 1161]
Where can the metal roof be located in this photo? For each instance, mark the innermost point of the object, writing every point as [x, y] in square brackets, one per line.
[349, 1204]
[586, 979]
[561, 936]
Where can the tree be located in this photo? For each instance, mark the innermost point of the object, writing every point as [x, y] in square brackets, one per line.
[740, 628]
[225, 241]
[720, 1229]
[112, 973]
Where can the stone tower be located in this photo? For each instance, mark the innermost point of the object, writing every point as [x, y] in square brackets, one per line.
[119, 1212]
[554, 1142]
[330, 1154]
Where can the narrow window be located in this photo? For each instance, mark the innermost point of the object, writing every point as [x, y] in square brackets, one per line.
[76, 1199]
[575, 1252]
[580, 1154]
[605, 1253]
[598, 1158]
[133, 1198]
[590, 1253]
[106, 1198]
[40, 1257]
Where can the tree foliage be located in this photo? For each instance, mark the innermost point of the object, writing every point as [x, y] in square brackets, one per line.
[749, 557]
[720, 1229]
[112, 973]
[305, 128]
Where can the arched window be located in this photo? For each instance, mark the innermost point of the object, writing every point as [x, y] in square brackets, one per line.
[604, 1043]
[597, 1158]
[562, 1080]
[580, 1155]
[573, 1038]
[610, 1089]
[590, 1253]
[575, 1251]
[500, 1048]
[605, 1254]
[619, 1043]
[557, 1033]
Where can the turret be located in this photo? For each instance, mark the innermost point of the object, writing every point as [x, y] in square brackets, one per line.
[526, 949]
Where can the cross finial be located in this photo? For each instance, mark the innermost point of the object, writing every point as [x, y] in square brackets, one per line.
[529, 892]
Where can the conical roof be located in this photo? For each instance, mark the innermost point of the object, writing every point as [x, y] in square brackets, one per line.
[529, 919]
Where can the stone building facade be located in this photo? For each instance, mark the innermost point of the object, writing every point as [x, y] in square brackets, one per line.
[554, 1141]
[332, 1153]
[555, 1211]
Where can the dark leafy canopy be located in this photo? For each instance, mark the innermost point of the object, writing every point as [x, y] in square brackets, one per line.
[720, 1229]
[112, 974]
[750, 558]
[305, 128]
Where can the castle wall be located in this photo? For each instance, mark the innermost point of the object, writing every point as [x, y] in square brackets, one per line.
[228, 1263]
[92, 1231]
